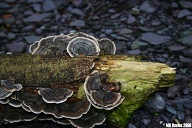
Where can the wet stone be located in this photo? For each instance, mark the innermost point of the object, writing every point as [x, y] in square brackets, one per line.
[170, 109]
[131, 126]
[161, 59]
[188, 52]
[2, 35]
[16, 46]
[172, 91]
[184, 13]
[37, 17]
[155, 39]
[9, 20]
[135, 11]
[139, 44]
[146, 121]
[32, 38]
[186, 60]
[28, 28]
[186, 4]
[156, 104]
[77, 12]
[120, 45]
[134, 52]
[11, 36]
[156, 23]
[4, 5]
[115, 16]
[48, 5]
[124, 31]
[37, 7]
[34, 1]
[187, 40]
[148, 7]
[77, 23]
[176, 48]
[108, 31]
[131, 19]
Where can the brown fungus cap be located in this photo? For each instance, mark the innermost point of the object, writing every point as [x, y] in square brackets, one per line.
[4, 101]
[43, 45]
[107, 46]
[57, 96]
[92, 82]
[18, 114]
[33, 46]
[82, 46]
[62, 41]
[107, 100]
[14, 103]
[102, 96]
[73, 108]
[88, 120]
[8, 87]
[81, 34]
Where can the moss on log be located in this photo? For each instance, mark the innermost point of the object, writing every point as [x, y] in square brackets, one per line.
[138, 79]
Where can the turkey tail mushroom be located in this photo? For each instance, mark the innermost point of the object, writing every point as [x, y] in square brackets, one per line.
[8, 87]
[82, 46]
[88, 120]
[107, 46]
[62, 41]
[102, 96]
[43, 45]
[57, 96]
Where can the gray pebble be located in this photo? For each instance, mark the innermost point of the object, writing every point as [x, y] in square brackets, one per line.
[48, 5]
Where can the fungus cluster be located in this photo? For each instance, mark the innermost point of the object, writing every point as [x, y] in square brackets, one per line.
[73, 45]
[60, 103]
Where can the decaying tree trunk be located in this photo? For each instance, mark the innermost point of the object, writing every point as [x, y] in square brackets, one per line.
[138, 79]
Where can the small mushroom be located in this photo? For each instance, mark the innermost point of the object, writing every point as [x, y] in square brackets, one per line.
[17, 114]
[92, 82]
[88, 120]
[102, 95]
[82, 46]
[57, 96]
[33, 46]
[4, 101]
[62, 41]
[107, 100]
[14, 103]
[12, 117]
[8, 87]
[73, 109]
[81, 34]
[25, 108]
[43, 45]
[62, 121]
[107, 46]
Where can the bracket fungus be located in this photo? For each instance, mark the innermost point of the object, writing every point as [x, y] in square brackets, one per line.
[57, 96]
[102, 96]
[82, 45]
[88, 120]
[8, 87]
[107, 46]
[62, 41]
[43, 45]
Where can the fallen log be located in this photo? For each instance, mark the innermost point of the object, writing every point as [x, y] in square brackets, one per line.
[138, 79]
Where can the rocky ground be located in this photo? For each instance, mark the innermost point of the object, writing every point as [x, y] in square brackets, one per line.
[158, 30]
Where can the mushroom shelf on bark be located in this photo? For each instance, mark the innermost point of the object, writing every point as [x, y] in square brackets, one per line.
[138, 79]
